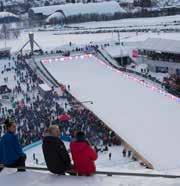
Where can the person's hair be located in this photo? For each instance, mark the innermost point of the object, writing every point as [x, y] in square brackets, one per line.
[8, 123]
[80, 135]
[52, 128]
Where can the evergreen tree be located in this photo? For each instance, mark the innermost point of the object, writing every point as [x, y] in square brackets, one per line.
[46, 3]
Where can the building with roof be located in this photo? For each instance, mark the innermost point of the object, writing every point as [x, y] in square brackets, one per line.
[56, 18]
[5, 52]
[161, 55]
[79, 12]
[8, 17]
[120, 53]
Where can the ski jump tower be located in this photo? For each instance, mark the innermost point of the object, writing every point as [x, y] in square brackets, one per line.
[32, 43]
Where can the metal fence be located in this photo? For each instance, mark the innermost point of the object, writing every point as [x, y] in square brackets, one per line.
[129, 174]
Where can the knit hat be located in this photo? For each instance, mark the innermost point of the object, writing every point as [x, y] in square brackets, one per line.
[80, 136]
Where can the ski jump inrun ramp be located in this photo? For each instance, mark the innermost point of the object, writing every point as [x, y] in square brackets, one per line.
[140, 113]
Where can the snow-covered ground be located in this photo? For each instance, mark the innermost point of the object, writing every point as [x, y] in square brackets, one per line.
[52, 40]
[133, 22]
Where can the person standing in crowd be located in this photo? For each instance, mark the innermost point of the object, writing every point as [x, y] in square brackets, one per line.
[55, 153]
[83, 155]
[69, 87]
[129, 153]
[124, 152]
[110, 155]
[11, 154]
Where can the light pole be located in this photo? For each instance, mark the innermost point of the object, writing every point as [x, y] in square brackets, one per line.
[119, 39]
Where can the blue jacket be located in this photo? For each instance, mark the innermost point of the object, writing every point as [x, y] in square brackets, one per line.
[10, 149]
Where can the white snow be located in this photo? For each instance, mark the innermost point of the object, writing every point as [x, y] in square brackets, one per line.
[145, 119]
[161, 45]
[117, 163]
[129, 22]
[7, 14]
[35, 178]
[44, 87]
[57, 16]
[116, 51]
[52, 40]
[71, 9]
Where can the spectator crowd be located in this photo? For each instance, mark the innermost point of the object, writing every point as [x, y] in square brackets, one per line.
[34, 112]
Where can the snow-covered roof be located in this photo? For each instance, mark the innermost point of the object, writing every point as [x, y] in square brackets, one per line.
[80, 8]
[7, 14]
[118, 51]
[161, 45]
[57, 15]
[126, 1]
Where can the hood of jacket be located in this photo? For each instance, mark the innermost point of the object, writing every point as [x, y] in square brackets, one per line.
[80, 146]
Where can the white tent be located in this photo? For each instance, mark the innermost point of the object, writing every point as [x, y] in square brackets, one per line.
[161, 45]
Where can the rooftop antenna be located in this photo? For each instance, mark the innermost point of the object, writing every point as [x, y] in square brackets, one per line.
[32, 43]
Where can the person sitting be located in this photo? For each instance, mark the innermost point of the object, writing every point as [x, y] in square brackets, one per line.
[83, 155]
[55, 153]
[11, 153]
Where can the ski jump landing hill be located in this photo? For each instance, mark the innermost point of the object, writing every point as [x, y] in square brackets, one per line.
[144, 116]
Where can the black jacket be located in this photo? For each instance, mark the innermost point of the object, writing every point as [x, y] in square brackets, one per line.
[55, 154]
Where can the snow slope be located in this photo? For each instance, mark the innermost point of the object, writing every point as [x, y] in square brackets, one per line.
[145, 119]
[32, 178]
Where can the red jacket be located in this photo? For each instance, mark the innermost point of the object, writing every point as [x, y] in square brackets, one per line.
[83, 156]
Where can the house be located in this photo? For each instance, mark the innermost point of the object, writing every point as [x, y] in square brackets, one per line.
[7, 17]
